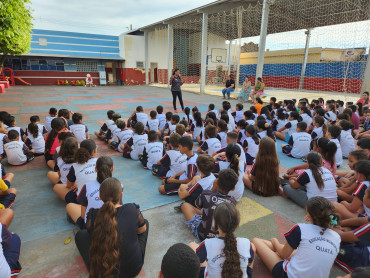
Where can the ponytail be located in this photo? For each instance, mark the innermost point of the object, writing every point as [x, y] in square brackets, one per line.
[232, 152]
[328, 149]
[324, 129]
[252, 132]
[33, 129]
[104, 165]
[104, 251]
[57, 125]
[314, 164]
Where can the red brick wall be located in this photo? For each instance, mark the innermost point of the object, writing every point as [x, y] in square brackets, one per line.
[134, 76]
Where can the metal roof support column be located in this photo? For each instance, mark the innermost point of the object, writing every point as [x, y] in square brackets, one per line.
[366, 81]
[263, 34]
[203, 61]
[237, 78]
[307, 47]
[146, 38]
[170, 53]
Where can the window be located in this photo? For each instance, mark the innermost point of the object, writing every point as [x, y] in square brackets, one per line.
[86, 66]
[139, 65]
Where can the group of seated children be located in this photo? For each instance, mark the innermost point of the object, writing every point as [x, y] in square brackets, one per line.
[211, 181]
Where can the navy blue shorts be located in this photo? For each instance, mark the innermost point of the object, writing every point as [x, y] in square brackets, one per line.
[287, 149]
[160, 170]
[48, 156]
[7, 200]
[71, 197]
[11, 254]
[143, 160]
[81, 223]
[7, 183]
[352, 255]
[171, 188]
[249, 159]
[3, 155]
[278, 271]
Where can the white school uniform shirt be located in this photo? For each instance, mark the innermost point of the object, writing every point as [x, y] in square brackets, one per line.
[38, 144]
[213, 145]
[216, 112]
[178, 162]
[306, 118]
[255, 115]
[252, 147]
[197, 130]
[4, 266]
[162, 120]
[280, 124]
[239, 115]
[41, 128]
[338, 154]
[330, 186]
[301, 144]
[346, 142]
[216, 256]
[231, 123]
[142, 117]
[63, 169]
[222, 137]
[172, 128]
[79, 131]
[139, 142]
[92, 195]
[123, 136]
[315, 253]
[109, 122]
[262, 134]
[237, 193]
[2, 136]
[84, 173]
[291, 126]
[207, 182]
[330, 116]
[251, 122]
[17, 128]
[14, 152]
[189, 161]
[155, 153]
[153, 124]
[48, 121]
[242, 153]
[319, 132]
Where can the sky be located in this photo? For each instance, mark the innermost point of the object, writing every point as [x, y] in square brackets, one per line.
[114, 17]
[111, 17]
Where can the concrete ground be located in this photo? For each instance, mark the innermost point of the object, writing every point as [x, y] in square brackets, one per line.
[40, 216]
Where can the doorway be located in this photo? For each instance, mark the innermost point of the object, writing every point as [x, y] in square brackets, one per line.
[153, 72]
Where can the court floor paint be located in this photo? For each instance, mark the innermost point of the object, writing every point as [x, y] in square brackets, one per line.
[40, 216]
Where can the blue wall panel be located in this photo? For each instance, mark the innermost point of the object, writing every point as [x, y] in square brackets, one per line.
[69, 47]
[73, 34]
[82, 41]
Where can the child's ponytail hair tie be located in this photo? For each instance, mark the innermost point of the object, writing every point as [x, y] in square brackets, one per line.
[333, 220]
[267, 125]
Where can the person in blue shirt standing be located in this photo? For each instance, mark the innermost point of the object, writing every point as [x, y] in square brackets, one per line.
[176, 84]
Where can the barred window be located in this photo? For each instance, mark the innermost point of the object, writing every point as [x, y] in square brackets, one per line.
[86, 66]
[139, 65]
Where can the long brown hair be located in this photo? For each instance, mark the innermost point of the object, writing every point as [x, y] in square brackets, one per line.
[267, 182]
[227, 219]
[104, 249]
[322, 212]
[314, 161]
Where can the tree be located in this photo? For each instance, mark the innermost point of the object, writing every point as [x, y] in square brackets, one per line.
[15, 28]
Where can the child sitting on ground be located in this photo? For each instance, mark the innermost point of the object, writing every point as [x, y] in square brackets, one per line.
[190, 192]
[35, 140]
[78, 129]
[104, 128]
[250, 144]
[232, 153]
[333, 134]
[66, 156]
[7, 195]
[211, 144]
[81, 172]
[171, 185]
[41, 128]
[286, 131]
[161, 117]
[52, 115]
[238, 113]
[173, 162]
[197, 127]
[3, 141]
[364, 144]
[17, 152]
[346, 140]
[314, 181]
[112, 128]
[171, 126]
[165, 128]
[121, 135]
[153, 151]
[226, 256]
[299, 142]
[10, 252]
[135, 145]
[353, 209]
[153, 122]
[264, 183]
[310, 259]
[222, 132]
[12, 125]
[137, 116]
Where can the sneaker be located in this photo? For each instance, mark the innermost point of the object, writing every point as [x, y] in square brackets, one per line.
[178, 208]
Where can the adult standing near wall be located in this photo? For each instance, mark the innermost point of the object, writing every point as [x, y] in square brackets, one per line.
[176, 84]
[259, 88]
[229, 87]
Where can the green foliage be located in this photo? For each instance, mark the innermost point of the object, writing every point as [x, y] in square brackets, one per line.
[15, 27]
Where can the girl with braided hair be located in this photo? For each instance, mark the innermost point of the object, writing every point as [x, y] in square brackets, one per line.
[226, 256]
[316, 243]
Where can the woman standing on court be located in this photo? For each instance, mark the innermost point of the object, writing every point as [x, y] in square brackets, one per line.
[176, 84]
